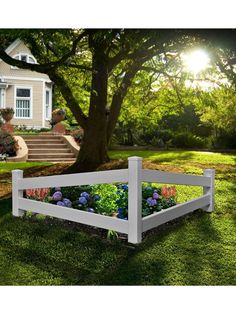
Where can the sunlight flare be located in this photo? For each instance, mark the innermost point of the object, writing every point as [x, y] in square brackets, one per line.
[196, 61]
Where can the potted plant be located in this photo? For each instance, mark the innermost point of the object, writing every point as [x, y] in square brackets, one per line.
[58, 115]
[7, 113]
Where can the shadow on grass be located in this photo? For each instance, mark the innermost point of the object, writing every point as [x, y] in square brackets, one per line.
[188, 252]
[36, 253]
[192, 252]
[5, 206]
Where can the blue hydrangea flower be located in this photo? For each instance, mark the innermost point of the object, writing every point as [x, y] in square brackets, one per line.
[60, 203]
[67, 202]
[120, 216]
[124, 187]
[83, 200]
[151, 201]
[86, 195]
[90, 210]
[120, 210]
[155, 195]
[96, 197]
[57, 196]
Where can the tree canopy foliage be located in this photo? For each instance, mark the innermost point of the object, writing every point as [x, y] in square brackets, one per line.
[94, 69]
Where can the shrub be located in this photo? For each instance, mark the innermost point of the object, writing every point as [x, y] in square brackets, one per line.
[154, 199]
[188, 140]
[8, 145]
[78, 135]
[226, 139]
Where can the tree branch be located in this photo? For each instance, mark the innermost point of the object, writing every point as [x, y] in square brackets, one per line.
[46, 67]
[118, 97]
[70, 99]
[79, 66]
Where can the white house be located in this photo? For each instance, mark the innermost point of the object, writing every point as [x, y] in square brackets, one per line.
[28, 92]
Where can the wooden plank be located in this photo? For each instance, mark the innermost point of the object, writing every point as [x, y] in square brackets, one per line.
[75, 215]
[175, 178]
[97, 177]
[174, 212]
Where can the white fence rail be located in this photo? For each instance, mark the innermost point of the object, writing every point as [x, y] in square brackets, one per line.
[134, 175]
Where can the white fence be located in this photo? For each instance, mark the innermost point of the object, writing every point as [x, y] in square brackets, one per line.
[134, 175]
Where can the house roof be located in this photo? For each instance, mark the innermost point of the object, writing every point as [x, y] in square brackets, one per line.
[13, 45]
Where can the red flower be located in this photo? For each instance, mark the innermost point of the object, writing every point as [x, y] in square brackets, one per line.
[168, 192]
[38, 194]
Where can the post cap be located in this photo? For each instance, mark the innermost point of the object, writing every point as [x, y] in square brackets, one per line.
[135, 158]
[17, 171]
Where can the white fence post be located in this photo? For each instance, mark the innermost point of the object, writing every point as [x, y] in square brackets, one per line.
[210, 190]
[135, 200]
[16, 193]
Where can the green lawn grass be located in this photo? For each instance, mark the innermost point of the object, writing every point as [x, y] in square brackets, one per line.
[196, 250]
[178, 157]
[9, 166]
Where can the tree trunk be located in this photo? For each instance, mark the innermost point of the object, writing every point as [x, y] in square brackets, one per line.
[93, 150]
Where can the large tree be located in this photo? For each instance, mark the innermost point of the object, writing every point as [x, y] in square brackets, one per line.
[92, 59]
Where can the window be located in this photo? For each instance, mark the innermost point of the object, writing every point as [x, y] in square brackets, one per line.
[31, 60]
[23, 103]
[47, 104]
[24, 57]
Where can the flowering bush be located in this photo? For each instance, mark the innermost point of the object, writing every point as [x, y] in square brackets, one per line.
[154, 199]
[38, 194]
[106, 199]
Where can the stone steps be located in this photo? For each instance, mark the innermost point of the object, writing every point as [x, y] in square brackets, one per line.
[47, 146]
[39, 137]
[42, 141]
[56, 160]
[50, 155]
[50, 148]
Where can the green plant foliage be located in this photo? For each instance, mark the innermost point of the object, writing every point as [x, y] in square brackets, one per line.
[40, 217]
[8, 145]
[112, 235]
[108, 197]
[188, 140]
[73, 192]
